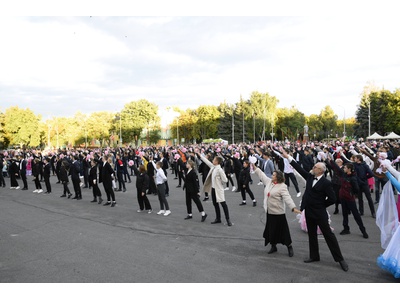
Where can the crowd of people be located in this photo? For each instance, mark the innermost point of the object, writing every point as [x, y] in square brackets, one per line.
[335, 173]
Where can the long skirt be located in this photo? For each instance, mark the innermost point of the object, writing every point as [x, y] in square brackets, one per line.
[277, 230]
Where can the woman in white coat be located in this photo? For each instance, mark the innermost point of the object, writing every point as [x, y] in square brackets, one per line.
[276, 198]
[214, 183]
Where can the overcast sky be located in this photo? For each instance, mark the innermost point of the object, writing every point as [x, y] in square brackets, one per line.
[59, 65]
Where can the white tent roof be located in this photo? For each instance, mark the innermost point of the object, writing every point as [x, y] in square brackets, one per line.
[392, 135]
[375, 136]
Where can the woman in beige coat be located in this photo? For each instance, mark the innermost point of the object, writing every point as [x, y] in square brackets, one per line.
[276, 198]
[214, 183]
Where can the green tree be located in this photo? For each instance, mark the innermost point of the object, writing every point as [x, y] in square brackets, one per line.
[329, 122]
[290, 123]
[136, 116]
[98, 126]
[21, 127]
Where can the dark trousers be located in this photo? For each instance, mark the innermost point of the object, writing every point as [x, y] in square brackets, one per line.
[237, 174]
[196, 200]
[121, 183]
[336, 189]
[77, 188]
[216, 206]
[2, 181]
[365, 189]
[229, 177]
[23, 177]
[144, 202]
[351, 206]
[292, 177]
[379, 183]
[246, 190]
[13, 180]
[47, 183]
[109, 192]
[66, 188]
[329, 236]
[161, 196]
[126, 174]
[37, 183]
[96, 191]
[86, 177]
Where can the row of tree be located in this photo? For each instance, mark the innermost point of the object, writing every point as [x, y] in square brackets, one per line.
[257, 118]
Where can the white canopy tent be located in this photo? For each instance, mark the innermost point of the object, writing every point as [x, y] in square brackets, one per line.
[392, 135]
[375, 136]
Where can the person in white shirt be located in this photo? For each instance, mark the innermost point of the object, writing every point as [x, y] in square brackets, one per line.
[160, 180]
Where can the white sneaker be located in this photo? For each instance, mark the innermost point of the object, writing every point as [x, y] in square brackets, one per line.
[149, 211]
[298, 194]
[35, 191]
[81, 184]
[167, 213]
[260, 183]
[139, 210]
[17, 187]
[226, 189]
[161, 212]
[12, 188]
[40, 191]
[234, 189]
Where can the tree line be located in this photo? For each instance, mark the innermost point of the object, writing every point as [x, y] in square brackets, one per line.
[247, 120]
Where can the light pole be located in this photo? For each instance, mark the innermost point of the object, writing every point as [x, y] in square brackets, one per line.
[233, 126]
[177, 131]
[243, 125]
[254, 127]
[344, 121]
[119, 117]
[369, 117]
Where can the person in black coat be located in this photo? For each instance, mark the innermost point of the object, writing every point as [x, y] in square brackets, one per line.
[36, 171]
[22, 169]
[13, 172]
[192, 190]
[2, 181]
[46, 174]
[107, 176]
[204, 169]
[244, 183]
[142, 185]
[308, 161]
[94, 183]
[74, 171]
[63, 176]
[318, 195]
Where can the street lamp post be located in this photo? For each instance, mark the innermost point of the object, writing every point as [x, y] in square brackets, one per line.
[233, 126]
[369, 117]
[344, 121]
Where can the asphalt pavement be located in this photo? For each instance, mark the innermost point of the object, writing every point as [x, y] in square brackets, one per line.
[48, 239]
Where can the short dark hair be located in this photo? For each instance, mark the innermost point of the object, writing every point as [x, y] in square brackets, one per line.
[219, 159]
[349, 166]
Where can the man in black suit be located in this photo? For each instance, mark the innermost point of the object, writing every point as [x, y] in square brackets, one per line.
[22, 171]
[107, 175]
[46, 174]
[317, 197]
[75, 172]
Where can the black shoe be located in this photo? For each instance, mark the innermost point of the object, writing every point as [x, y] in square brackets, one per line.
[188, 217]
[58, 182]
[364, 234]
[100, 200]
[69, 196]
[107, 203]
[206, 198]
[228, 222]
[344, 265]
[79, 198]
[243, 203]
[273, 249]
[344, 231]
[24, 189]
[290, 251]
[113, 204]
[310, 260]
[216, 221]
[124, 190]
[94, 201]
[203, 218]
[254, 203]
[336, 212]
[63, 195]
[178, 186]
[75, 198]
